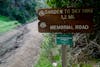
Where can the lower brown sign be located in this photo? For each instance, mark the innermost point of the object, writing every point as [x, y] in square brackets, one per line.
[82, 27]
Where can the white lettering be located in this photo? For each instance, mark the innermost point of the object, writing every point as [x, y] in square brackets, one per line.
[60, 27]
[67, 11]
[87, 10]
[71, 17]
[76, 11]
[53, 27]
[64, 17]
[82, 27]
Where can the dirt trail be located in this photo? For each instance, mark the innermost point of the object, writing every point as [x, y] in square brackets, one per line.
[27, 55]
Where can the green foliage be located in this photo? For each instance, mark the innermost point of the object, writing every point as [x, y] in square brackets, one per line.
[47, 44]
[6, 24]
[45, 49]
[21, 10]
[66, 3]
[58, 3]
[41, 4]
[45, 60]
[63, 3]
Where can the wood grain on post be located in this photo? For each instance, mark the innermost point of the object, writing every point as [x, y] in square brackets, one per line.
[64, 55]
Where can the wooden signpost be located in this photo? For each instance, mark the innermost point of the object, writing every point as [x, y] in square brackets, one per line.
[65, 20]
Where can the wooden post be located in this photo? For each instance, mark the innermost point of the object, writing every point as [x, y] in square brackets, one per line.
[64, 55]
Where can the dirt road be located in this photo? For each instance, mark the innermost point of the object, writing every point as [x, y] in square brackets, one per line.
[27, 54]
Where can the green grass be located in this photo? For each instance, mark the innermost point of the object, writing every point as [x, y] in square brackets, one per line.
[43, 62]
[6, 24]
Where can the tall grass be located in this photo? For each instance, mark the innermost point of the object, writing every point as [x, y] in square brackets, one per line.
[6, 24]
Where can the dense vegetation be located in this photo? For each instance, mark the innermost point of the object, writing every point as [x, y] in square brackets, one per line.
[21, 10]
[6, 24]
[49, 52]
[18, 12]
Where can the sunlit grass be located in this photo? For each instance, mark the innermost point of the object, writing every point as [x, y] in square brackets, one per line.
[6, 24]
[43, 62]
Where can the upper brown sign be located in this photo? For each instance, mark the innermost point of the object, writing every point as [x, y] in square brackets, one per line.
[68, 20]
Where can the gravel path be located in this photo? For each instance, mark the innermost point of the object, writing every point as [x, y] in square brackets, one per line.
[27, 54]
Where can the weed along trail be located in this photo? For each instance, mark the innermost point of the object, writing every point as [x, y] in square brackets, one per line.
[27, 54]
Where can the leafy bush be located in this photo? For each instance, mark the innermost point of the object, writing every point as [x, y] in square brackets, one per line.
[21, 10]
[6, 24]
[46, 58]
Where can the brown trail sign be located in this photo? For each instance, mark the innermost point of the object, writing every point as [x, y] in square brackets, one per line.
[67, 20]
